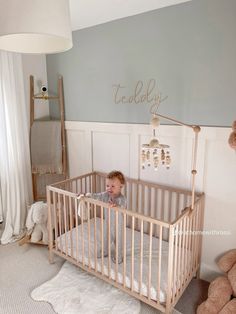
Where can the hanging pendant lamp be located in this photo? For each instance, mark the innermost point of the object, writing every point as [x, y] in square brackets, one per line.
[35, 26]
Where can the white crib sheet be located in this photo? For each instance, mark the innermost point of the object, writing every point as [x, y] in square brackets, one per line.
[70, 238]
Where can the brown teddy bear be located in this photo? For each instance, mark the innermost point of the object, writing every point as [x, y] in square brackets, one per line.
[222, 290]
[232, 137]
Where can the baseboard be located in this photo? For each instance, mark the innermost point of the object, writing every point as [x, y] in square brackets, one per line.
[209, 273]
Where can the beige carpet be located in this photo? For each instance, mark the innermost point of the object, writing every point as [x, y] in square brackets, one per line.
[22, 269]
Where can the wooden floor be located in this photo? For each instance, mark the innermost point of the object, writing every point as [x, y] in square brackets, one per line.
[194, 295]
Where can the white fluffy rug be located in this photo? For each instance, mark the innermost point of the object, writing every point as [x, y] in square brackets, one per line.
[75, 291]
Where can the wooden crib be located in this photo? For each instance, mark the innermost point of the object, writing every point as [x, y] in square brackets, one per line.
[162, 236]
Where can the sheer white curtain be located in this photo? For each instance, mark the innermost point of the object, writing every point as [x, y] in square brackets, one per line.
[15, 169]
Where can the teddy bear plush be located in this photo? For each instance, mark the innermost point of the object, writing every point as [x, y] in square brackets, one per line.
[222, 291]
[227, 263]
[232, 136]
[36, 222]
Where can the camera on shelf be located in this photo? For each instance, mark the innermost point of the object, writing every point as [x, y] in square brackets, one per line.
[43, 89]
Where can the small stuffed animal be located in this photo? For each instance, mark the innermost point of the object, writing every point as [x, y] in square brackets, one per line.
[36, 222]
[222, 290]
[232, 137]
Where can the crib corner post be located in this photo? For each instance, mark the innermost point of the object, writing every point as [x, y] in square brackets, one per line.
[170, 283]
[51, 257]
[50, 229]
[198, 272]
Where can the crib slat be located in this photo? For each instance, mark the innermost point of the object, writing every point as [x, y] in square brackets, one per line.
[50, 224]
[159, 267]
[94, 184]
[139, 208]
[60, 222]
[76, 226]
[82, 235]
[132, 255]
[109, 242]
[124, 250]
[137, 204]
[150, 261]
[102, 241]
[76, 186]
[55, 218]
[117, 243]
[65, 224]
[187, 251]
[170, 292]
[198, 229]
[85, 185]
[190, 255]
[71, 227]
[192, 243]
[98, 183]
[141, 259]
[175, 259]
[179, 257]
[184, 250]
[95, 236]
[89, 238]
[156, 210]
[194, 239]
[201, 219]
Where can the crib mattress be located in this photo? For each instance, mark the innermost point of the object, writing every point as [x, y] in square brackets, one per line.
[74, 236]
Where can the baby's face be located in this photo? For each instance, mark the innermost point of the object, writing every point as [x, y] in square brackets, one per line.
[113, 186]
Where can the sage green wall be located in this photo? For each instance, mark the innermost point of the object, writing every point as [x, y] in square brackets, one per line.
[189, 49]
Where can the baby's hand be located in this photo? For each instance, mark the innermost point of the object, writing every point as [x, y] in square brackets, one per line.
[112, 204]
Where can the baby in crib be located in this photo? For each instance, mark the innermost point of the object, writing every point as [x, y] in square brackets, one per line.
[115, 180]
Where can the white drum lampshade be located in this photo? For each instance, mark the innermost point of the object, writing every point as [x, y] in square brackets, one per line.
[35, 26]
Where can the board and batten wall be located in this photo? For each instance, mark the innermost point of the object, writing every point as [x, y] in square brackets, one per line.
[107, 146]
[189, 50]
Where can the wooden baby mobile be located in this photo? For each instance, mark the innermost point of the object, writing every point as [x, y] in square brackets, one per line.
[232, 137]
[154, 152]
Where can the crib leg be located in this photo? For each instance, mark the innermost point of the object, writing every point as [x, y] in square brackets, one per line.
[51, 257]
[197, 276]
[169, 310]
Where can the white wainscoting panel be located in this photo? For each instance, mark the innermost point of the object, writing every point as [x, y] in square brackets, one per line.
[111, 151]
[78, 149]
[108, 146]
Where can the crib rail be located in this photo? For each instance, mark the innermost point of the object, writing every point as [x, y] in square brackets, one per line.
[161, 244]
[161, 202]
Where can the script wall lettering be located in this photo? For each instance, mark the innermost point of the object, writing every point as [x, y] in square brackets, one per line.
[142, 93]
